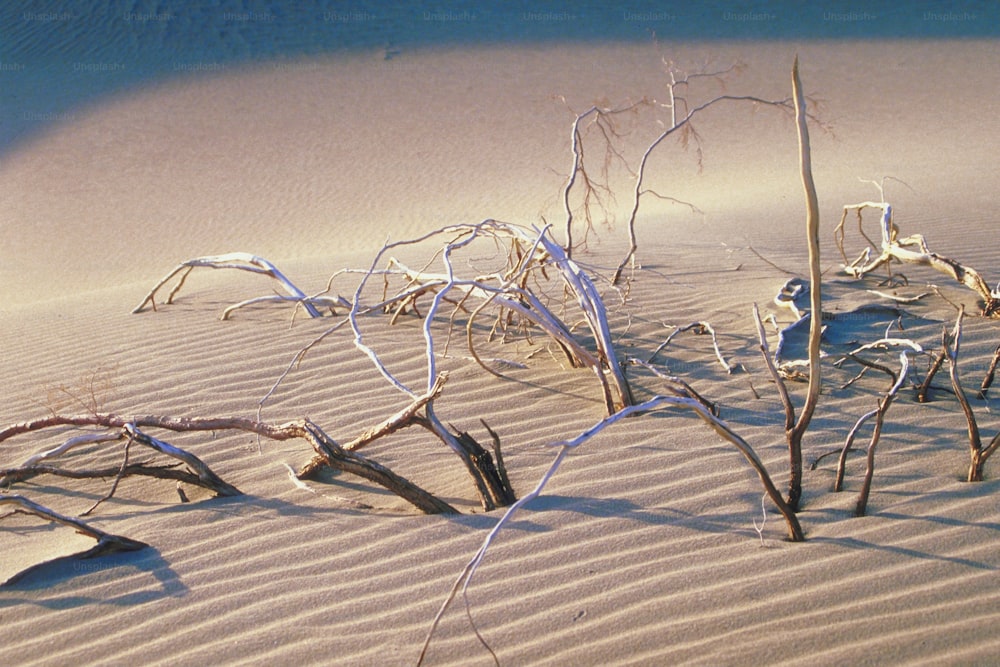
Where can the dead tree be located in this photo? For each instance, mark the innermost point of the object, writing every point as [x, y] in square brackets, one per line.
[795, 428]
[528, 253]
[680, 397]
[533, 254]
[680, 113]
[912, 250]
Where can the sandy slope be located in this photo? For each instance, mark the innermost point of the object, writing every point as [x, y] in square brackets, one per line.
[642, 550]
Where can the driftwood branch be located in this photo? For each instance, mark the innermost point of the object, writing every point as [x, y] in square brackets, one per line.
[674, 382]
[402, 419]
[779, 383]
[507, 290]
[896, 382]
[171, 471]
[815, 291]
[883, 407]
[341, 459]
[925, 386]
[990, 373]
[208, 478]
[199, 475]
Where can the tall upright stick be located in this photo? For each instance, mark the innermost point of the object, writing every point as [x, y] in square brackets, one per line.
[815, 297]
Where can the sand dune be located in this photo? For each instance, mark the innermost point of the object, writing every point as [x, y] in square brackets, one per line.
[642, 550]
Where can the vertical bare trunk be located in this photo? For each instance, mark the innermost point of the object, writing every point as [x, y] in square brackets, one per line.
[815, 299]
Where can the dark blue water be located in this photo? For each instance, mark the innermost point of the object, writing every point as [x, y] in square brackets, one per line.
[58, 56]
[159, 32]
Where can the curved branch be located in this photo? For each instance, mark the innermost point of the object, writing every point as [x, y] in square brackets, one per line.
[243, 261]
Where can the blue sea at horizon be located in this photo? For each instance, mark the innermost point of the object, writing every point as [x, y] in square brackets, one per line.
[58, 56]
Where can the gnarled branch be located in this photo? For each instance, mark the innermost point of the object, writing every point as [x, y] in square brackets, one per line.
[912, 250]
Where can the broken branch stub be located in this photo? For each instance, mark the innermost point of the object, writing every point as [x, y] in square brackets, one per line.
[106, 542]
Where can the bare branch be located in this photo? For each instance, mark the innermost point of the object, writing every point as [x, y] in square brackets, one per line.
[566, 446]
[977, 454]
[243, 261]
[106, 542]
[883, 407]
[990, 373]
[335, 455]
[779, 383]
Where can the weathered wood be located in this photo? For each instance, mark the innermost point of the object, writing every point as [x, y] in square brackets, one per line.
[242, 261]
[335, 456]
[925, 386]
[978, 454]
[402, 419]
[23, 473]
[815, 295]
[990, 373]
[508, 291]
[208, 478]
[492, 488]
[340, 459]
[493, 474]
[883, 407]
[902, 249]
[201, 474]
[680, 386]
[699, 328]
